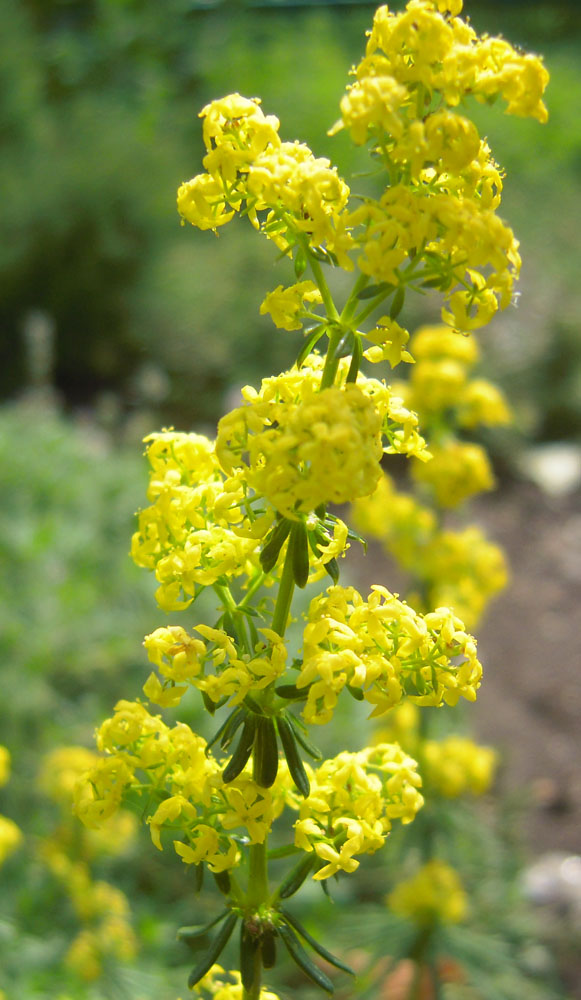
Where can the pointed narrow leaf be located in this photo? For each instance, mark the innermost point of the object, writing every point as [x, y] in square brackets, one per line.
[292, 692]
[397, 302]
[327, 955]
[268, 945]
[300, 553]
[222, 880]
[188, 934]
[313, 338]
[300, 957]
[212, 956]
[372, 290]
[265, 753]
[275, 541]
[300, 262]
[241, 755]
[300, 737]
[332, 568]
[296, 877]
[357, 354]
[249, 945]
[220, 733]
[293, 757]
[345, 345]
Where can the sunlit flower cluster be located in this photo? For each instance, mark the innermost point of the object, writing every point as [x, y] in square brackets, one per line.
[386, 650]
[353, 800]
[287, 192]
[211, 663]
[301, 447]
[419, 65]
[171, 776]
[200, 526]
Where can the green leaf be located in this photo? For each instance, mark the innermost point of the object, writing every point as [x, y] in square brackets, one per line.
[268, 945]
[313, 338]
[355, 692]
[300, 737]
[345, 346]
[293, 757]
[332, 568]
[292, 692]
[296, 877]
[300, 553]
[212, 956]
[397, 302]
[265, 753]
[327, 955]
[273, 544]
[249, 945]
[197, 932]
[300, 262]
[357, 354]
[228, 728]
[241, 755]
[222, 880]
[300, 957]
[370, 291]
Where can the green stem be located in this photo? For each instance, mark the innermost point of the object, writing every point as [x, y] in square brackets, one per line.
[323, 286]
[285, 596]
[254, 586]
[238, 618]
[352, 302]
[331, 362]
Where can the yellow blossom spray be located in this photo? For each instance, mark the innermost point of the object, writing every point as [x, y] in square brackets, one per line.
[250, 514]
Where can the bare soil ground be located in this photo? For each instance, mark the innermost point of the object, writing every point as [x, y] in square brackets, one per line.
[529, 705]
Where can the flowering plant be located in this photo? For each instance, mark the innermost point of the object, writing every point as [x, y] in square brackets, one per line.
[248, 514]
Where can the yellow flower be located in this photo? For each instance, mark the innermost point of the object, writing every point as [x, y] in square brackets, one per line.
[285, 304]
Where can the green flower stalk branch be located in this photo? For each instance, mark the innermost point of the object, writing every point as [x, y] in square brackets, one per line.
[250, 514]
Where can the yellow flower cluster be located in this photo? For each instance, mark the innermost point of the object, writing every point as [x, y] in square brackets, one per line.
[10, 833]
[214, 666]
[386, 650]
[179, 786]
[456, 766]
[300, 447]
[451, 766]
[420, 63]
[461, 570]
[200, 526]
[216, 987]
[440, 382]
[433, 895]
[299, 196]
[353, 800]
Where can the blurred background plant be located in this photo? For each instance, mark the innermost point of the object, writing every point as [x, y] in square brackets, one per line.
[106, 332]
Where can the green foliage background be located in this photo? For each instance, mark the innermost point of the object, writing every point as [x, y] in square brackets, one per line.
[98, 122]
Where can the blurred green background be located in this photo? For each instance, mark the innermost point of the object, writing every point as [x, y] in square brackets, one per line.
[98, 119]
[115, 320]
